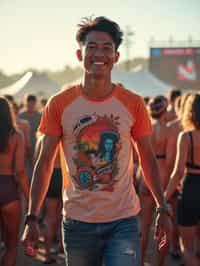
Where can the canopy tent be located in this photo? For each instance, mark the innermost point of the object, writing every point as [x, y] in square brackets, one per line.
[31, 82]
[141, 81]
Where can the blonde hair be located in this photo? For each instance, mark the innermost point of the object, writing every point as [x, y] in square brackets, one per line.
[183, 101]
[191, 115]
[177, 105]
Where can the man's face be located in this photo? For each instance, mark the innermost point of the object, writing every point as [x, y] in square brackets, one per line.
[31, 106]
[98, 54]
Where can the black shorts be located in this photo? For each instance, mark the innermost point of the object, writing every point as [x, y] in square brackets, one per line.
[188, 207]
[55, 186]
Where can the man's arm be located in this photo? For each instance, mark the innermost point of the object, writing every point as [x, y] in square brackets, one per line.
[42, 172]
[150, 168]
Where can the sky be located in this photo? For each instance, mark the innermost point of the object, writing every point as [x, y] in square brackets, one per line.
[40, 34]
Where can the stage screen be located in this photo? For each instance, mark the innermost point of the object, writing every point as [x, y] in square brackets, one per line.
[177, 66]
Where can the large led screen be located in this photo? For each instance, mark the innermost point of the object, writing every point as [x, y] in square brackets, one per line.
[177, 66]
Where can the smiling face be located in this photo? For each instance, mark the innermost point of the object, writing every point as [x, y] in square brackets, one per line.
[98, 54]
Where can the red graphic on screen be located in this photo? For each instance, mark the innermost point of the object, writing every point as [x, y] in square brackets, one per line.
[187, 72]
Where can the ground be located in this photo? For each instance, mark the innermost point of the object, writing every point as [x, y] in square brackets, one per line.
[26, 261]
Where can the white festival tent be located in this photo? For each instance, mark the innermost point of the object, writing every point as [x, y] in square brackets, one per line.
[141, 81]
[138, 80]
[31, 82]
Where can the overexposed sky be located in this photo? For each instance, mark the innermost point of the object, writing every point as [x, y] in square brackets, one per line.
[41, 33]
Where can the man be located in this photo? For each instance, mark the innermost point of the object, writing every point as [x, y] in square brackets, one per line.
[172, 95]
[100, 204]
[31, 114]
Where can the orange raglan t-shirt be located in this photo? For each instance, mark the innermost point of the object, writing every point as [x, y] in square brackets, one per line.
[96, 137]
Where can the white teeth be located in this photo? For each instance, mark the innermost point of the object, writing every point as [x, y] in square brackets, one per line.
[98, 63]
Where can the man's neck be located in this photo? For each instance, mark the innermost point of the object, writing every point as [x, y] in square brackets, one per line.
[96, 88]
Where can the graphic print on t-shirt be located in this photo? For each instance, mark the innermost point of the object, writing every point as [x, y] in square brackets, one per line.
[97, 147]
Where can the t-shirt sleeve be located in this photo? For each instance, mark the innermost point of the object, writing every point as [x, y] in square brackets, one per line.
[50, 123]
[142, 125]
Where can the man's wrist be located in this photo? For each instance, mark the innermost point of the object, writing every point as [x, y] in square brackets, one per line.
[165, 208]
[30, 218]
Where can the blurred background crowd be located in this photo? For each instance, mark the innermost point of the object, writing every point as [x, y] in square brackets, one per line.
[168, 79]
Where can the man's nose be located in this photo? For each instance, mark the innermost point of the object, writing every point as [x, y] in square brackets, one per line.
[99, 52]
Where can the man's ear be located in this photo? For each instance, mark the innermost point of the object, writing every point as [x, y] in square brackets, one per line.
[79, 54]
[117, 55]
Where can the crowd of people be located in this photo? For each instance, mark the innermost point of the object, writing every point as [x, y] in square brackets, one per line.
[19, 148]
[172, 118]
[92, 131]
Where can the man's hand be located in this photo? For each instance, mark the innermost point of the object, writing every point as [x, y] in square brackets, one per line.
[163, 229]
[30, 238]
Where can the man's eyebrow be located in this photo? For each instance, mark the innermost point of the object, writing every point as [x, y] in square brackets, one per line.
[108, 43]
[91, 42]
[105, 43]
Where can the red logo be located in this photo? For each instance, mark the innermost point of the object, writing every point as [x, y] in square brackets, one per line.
[187, 72]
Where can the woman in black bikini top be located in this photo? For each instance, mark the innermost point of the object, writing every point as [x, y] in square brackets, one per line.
[188, 163]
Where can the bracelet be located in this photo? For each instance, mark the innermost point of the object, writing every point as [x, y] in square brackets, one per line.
[30, 218]
[165, 208]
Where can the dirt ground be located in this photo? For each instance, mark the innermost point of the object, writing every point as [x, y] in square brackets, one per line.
[23, 260]
[26, 261]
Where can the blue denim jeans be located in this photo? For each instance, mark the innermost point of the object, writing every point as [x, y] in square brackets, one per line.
[96, 244]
